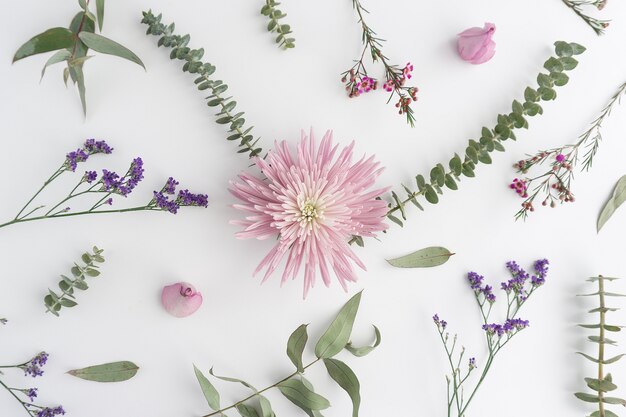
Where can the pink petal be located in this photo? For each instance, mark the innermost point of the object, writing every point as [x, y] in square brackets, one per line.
[475, 43]
[181, 299]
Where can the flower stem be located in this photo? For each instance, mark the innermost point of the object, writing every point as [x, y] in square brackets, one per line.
[14, 395]
[601, 344]
[221, 411]
[45, 184]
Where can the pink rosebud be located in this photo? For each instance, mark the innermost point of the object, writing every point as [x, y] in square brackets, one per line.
[475, 44]
[181, 299]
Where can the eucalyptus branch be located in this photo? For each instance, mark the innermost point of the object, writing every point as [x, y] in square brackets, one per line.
[73, 44]
[357, 81]
[295, 387]
[603, 383]
[271, 10]
[490, 139]
[555, 185]
[578, 6]
[194, 65]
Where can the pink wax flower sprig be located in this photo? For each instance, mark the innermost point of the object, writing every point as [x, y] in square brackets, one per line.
[579, 7]
[103, 189]
[476, 45]
[313, 201]
[554, 186]
[357, 81]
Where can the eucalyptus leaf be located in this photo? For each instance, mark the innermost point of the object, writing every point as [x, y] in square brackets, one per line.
[100, 13]
[106, 46]
[228, 379]
[607, 413]
[108, 372]
[295, 346]
[338, 333]
[210, 393]
[616, 200]
[58, 57]
[50, 40]
[266, 407]
[346, 379]
[590, 398]
[364, 350]
[296, 392]
[247, 411]
[423, 258]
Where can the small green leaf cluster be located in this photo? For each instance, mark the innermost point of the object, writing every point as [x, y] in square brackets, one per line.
[295, 387]
[603, 383]
[73, 44]
[54, 301]
[270, 9]
[478, 151]
[194, 65]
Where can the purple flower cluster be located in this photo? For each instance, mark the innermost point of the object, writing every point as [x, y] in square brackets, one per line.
[185, 198]
[112, 182]
[519, 278]
[51, 412]
[541, 270]
[33, 367]
[90, 147]
[508, 328]
[31, 393]
[442, 324]
[476, 282]
[472, 363]
[90, 176]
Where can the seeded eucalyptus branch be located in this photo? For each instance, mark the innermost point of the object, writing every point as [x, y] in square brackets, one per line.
[205, 70]
[295, 387]
[54, 302]
[603, 383]
[271, 10]
[490, 139]
[578, 6]
[73, 44]
[555, 185]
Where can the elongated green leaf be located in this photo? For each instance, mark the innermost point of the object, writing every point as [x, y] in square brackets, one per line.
[247, 411]
[295, 346]
[309, 385]
[108, 372]
[364, 350]
[423, 258]
[605, 362]
[597, 385]
[59, 56]
[106, 46]
[337, 336]
[100, 13]
[209, 391]
[596, 339]
[346, 379]
[228, 379]
[616, 200]
[296, 392]
[613, 400]
[50, 40]
[590, 398]
[266, 407]
[607, 413]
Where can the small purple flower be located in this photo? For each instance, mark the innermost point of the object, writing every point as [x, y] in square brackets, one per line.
[73, 158]
[170, 186]
[560, 157]
[33, 367]
[475, 281]
[442, 324]
[31, 393]
[488, 293]
[110, 180]
[51, 412]
[97, 146]
[541, 269]
[90, 176]
[472, 363]
[493, 329]
[163, 202]
[186, 198]
[109, 201]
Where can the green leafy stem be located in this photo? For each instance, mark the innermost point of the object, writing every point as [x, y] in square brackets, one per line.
[295, 387]
[54, 302]
[270, 9]
[73, 44]
[578, 7]
[603, 383]
[194, 65]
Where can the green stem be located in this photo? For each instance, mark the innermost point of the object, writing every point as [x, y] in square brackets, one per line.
[221, 411]
[45, 184]
[15, 396]
[601, 344]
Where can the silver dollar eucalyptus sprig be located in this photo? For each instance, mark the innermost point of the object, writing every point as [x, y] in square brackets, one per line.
[270, 9]
[490, 139]
[295, 387]
[204, 81]
[54, 301]
[604, 382]
[73, 44]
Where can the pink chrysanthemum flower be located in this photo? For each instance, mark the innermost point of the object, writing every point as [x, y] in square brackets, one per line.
[314, 201]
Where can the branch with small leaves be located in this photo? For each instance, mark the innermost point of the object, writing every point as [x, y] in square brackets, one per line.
[295, 387]
[604, 382]
[555, 185]
[490, 139]
[54, 302]
[73, 44]
[357, 81]
[194, 65]
[270, 9]
[579, 6]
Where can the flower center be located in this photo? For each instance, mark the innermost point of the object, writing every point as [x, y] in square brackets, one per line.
[308, 213]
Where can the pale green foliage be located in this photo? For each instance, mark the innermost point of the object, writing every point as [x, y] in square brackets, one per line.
[270, 9]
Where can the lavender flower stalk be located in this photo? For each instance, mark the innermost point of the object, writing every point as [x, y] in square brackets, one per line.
[518, 290]
[26, 396]
[104, 188]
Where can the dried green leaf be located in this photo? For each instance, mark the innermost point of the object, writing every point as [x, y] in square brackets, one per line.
[423, 258]
[337, 336]
[346, 379]
[296, 392]
[210, 393]
[616, 200]
[51, 40]
[365, 350]
[295, 346]
[107, 46]
[236, 380]
[100, 13]
[108, 372]
[58, 57]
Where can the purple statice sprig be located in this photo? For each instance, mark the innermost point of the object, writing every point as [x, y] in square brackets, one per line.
[104, 187]
[518, 289]
[27, 396]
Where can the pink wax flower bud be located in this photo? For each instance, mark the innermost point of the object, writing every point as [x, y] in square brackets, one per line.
[181, 299]
[475, 44]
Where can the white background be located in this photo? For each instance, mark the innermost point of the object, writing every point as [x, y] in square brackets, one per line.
[242, 327]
